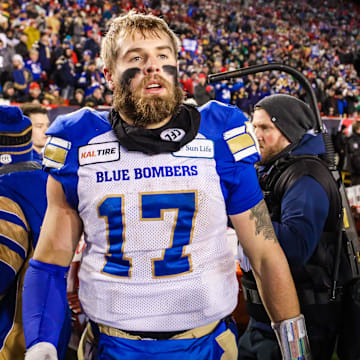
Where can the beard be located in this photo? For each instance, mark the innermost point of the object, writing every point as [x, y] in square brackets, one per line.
[144, 110]
[268, 153]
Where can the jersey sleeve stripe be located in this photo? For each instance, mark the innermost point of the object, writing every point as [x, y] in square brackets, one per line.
[234, 132]
[60, 142]
[13, 245]
[8, 273]
[245, 153]
[10, 258]
[11, 212]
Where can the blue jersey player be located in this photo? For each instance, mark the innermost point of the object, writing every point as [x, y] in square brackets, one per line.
[150, 185]
[22, 209]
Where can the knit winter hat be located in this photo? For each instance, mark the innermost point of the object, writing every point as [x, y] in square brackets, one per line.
[15, 135]
[289, 114]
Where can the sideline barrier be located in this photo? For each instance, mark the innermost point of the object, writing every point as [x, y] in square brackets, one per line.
[333, 123]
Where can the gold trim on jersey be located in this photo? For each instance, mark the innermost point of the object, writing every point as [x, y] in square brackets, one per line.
[11, 258]
[14, 344]
[188, 334]
[161, 218]
[14, 233]
[55, 153]
[8, 205]
[227, 341]
[107, 236]
[240, 142]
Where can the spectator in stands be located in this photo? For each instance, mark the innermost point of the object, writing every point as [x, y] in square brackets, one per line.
[224, 91]
[35, 94]
[45, 52]
[78, 99]
[108, 98]
[38, 115]
[350, 100]
[21, 77]
[203, 92]
[357, 104]
[33, 33]
[95, 98]
[331, 103]
[340, 140]
[21, 47]
[91, 78]
[54, 21]
[241, 99]
[353, 152]
[64, 75]
[6, 62]
[92, 43]
[255, 95]
[9, 92]
[187, 84]
[78, 29]
[87, 56]
[34, 65]
[301, 43]
[53, 96]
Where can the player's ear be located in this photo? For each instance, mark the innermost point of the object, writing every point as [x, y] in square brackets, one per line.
[109, 78]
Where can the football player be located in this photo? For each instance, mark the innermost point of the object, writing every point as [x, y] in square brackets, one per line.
[151, 184]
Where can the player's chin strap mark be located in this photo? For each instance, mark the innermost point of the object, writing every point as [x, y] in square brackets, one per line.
[149, 141]
[293, 339]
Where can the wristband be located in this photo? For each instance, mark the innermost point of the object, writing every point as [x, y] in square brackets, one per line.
[292, 337]
[44, 303]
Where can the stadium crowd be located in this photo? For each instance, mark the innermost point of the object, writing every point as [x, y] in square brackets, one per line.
[49, 50]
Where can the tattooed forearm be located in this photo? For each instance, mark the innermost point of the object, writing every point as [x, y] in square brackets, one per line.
[263, 225]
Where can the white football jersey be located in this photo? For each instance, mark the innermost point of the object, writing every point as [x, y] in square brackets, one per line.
[156, 256]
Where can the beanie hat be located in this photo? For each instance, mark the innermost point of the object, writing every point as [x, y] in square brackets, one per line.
[15, 135]
[290, 115]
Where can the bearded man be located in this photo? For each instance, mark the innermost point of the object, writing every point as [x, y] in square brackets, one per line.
[151, 185]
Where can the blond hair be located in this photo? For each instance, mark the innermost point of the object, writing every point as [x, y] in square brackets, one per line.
[126, 26]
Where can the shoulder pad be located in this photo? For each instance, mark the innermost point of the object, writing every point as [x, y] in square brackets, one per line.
[78, 124]
[228, 123]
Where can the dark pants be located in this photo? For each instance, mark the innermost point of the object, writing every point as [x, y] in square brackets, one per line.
[348, 347]
[256, 344]
[259, 344]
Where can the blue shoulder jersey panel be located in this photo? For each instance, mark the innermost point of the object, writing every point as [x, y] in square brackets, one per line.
[23, 204]
[236, 151]
[67, 133]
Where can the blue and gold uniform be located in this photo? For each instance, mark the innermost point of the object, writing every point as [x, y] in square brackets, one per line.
[157, 258]
[22, 207]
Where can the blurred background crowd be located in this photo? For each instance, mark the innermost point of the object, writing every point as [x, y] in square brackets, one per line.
[49, 49]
